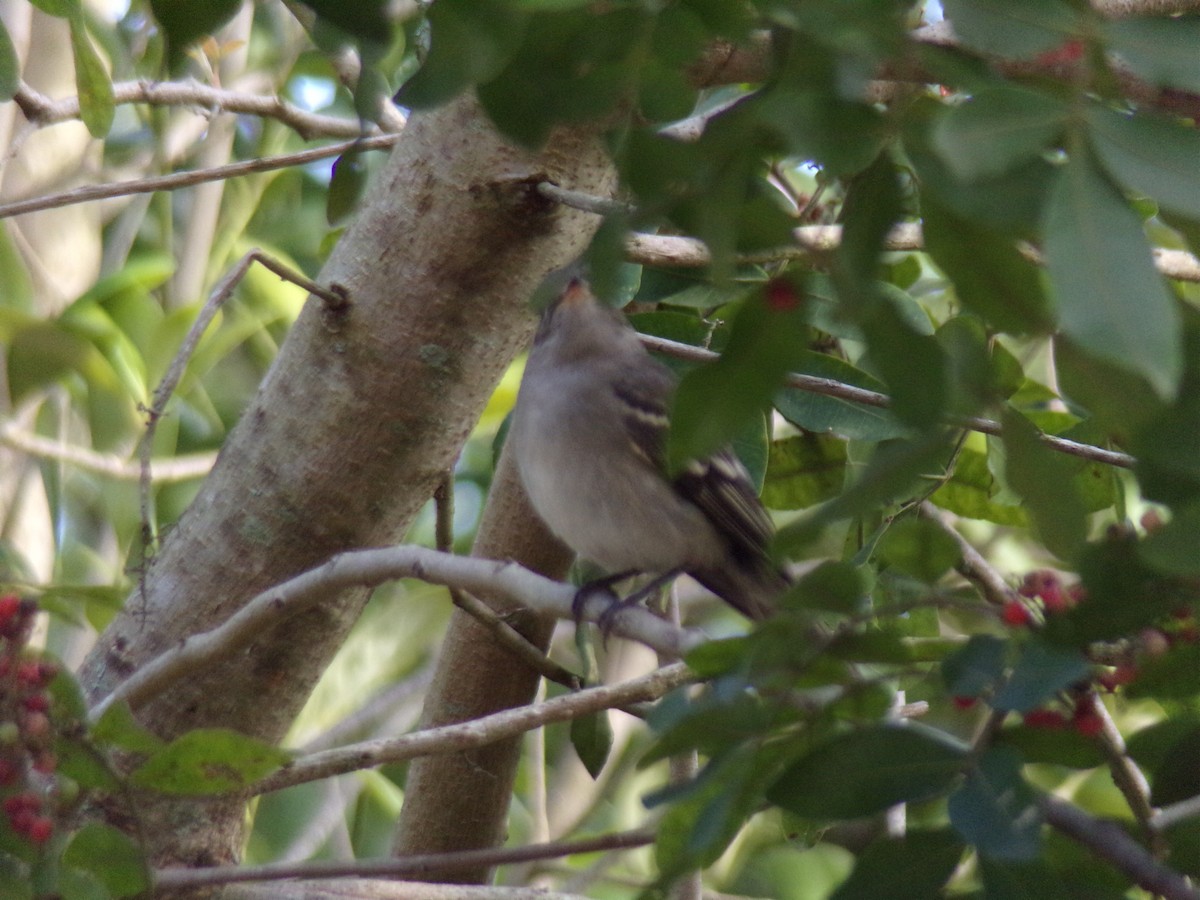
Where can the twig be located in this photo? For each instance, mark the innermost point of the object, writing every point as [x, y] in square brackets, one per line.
[187, 179]
[688, 252]
[179, 879]
[443, 500]
[1170, 816]
[973, 567]
[830, 388]
[166, 387]
[113, 465]
[1110, 842]
[369, 568]
[475, 733]
[42, 110]
[579, 200]
[1126, 775]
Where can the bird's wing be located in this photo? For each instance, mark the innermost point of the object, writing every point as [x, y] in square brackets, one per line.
[721, 487]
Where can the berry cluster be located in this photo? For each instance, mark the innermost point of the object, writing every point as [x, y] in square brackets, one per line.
[27, 761]
[1041, 590]
[1083, 716]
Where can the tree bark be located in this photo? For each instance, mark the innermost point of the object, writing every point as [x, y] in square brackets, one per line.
[460, 801]
[360, 416]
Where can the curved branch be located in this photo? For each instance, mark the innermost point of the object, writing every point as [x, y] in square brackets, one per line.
[370, 568]
[42, 110]
[1110, 842]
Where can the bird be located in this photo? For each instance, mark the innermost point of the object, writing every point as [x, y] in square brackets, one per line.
[589, 433]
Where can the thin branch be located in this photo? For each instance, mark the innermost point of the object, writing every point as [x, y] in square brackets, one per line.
[1170, 816]
[334, 296]
[1110, 842]
[475, 733]
[579, 200]
[974, 567]
[1129, 779]
[387, 889]
[187, 179]
[370, 568]
[687, 252]
[42, 110]
[828, 387]
[531, 655]
[181, 879]
[162, 471]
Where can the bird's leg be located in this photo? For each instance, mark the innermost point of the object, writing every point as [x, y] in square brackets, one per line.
[598, 586]
[608, 617]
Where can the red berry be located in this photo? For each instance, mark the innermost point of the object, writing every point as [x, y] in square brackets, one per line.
[964, 703]
[40, 829]
[1076, 594]
[9, 771]
[1152, 521]
[1050, 719]
[1086, 720]
[781, 295]
[21, 819]
[1055, 599]
[36, 703]
[9, 604]
[1016, 614]
[1189, 634]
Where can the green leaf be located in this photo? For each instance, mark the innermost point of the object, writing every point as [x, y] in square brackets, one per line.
[1154, 155]
[345, 187]
[1177, 775]
[1161, 49]
[1112, 302]
[208, 761]
[991, 277]
[897, 470]
[832, 415]
[920, 548]
[592, 738]
[927, 859]
[366, 20]
[1013, 28]
[970, 491]
[469, 43]
[973, 669]
[96, 104]
[998, 129]
[697, 829]
[841, 137]
[1041, 671]
[1057, 747]
[1042, 478]
[869, 770]
[10, 66]
[111, 856]
[1123, 596]
[804, 470]
[716, 401]
[63, 9]
[996, 810]
[832, 586]
[1175, 548]
[119, 728]
[1174, 675]
[186, 21]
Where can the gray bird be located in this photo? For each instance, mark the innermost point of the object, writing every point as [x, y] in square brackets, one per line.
[589, 436]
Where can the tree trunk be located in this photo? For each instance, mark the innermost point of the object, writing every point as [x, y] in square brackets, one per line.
[360, 416]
